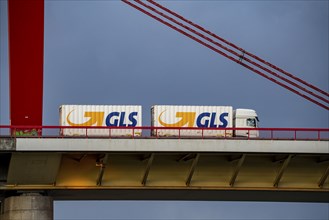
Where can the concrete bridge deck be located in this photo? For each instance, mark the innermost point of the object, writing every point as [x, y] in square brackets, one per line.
[183, 169]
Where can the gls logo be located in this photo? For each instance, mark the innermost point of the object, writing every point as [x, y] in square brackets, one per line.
[112, 119]
[203, 120]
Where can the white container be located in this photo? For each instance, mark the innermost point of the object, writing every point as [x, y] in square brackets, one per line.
[181, 116]
[111, 116]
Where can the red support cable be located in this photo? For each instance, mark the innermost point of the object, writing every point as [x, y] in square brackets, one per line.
[231, 51]
[238, 48]
[224, 54]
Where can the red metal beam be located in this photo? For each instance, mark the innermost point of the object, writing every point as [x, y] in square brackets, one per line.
[26, 37]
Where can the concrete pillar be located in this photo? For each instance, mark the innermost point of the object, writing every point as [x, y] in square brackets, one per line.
[28, 206]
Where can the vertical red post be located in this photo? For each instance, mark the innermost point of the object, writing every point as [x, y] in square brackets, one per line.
[26, 39]
[295, 134]
[319, 135]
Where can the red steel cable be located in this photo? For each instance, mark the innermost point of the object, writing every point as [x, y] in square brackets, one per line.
[233, 52]
[224, 54]
[238, 48]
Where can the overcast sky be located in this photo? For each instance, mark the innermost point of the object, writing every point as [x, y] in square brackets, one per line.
[105, 52]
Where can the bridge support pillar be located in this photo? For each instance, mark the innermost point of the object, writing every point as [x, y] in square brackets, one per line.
[32, 206]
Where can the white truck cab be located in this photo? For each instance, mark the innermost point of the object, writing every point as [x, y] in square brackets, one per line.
[245, 118]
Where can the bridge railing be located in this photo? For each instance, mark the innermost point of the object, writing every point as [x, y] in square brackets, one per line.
[164, 132]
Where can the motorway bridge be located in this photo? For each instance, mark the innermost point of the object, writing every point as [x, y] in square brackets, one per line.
[281, 165]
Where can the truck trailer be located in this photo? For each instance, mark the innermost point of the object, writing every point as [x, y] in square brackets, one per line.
[101, 115]
[181, 120]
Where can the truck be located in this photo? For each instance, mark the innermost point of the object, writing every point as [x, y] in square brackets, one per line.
[181, 121]
[207, 118]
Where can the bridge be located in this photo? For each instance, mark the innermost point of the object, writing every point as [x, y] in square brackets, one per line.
[280, 165]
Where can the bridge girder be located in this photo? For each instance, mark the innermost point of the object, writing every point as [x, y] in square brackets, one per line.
[193, 175]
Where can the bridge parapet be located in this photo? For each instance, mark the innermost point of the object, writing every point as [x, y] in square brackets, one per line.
[173, 132]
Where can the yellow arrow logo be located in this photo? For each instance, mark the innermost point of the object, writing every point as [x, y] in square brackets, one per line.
[95, 117]
[186, 118]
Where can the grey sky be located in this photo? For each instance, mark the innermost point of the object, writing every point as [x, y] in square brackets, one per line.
[105, 52]
[190, 210]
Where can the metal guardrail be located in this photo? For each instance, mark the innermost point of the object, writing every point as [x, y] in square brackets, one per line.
[158, 132]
